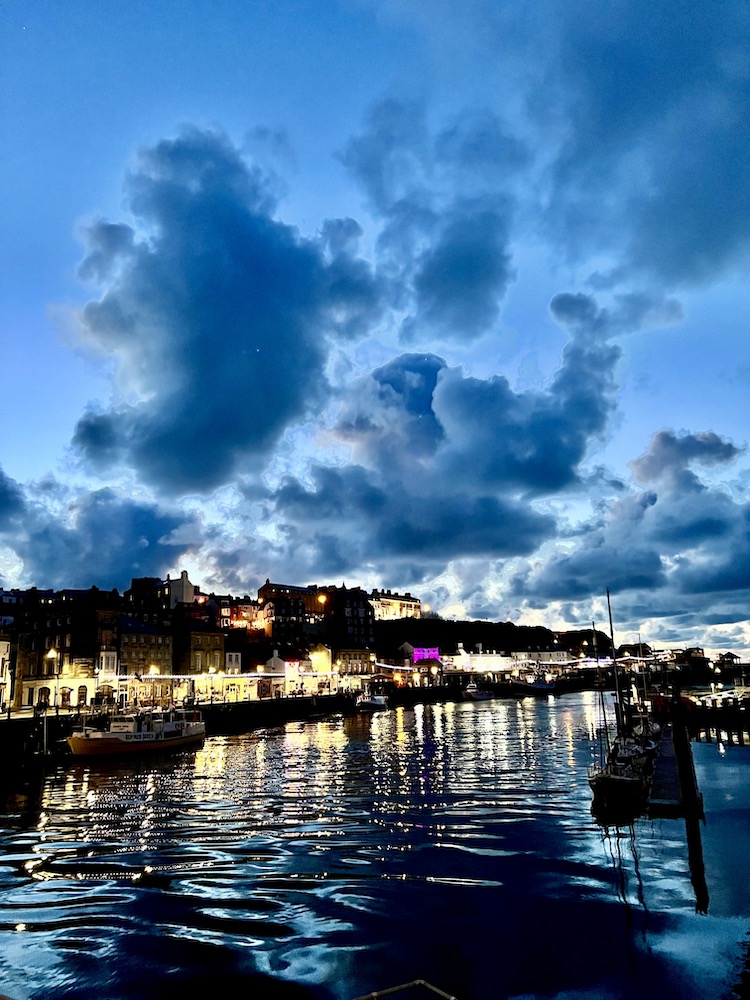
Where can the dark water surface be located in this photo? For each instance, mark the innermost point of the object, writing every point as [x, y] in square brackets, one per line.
[333, 858]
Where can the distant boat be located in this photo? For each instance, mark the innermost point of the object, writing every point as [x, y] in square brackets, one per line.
[369, 701]
[533, 682]
[129, 733]
[473, 693]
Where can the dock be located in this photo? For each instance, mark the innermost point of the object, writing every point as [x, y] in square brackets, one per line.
[674, 789]
[666, 795]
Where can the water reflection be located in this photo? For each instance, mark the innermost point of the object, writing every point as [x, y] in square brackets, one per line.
[346, 855]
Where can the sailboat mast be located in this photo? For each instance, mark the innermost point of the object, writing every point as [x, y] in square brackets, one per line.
[618, 694]
[601, 688]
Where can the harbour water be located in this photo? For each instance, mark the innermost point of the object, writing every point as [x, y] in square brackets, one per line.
[332, 858]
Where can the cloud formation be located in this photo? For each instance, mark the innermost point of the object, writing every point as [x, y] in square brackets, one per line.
[446, 206]
[215, 315]
[446, 467]
[352, 401]
[76, 538]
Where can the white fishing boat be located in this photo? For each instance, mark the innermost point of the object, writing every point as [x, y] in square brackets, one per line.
[370, 701]
[128, 733]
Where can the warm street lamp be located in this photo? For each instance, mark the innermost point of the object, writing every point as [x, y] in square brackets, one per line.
[54, 662]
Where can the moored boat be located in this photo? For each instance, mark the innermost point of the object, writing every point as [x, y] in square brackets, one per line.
[620, 787]
[369, 701]
[129, 733]
[622, 783]
[534, 682]
[473, 693]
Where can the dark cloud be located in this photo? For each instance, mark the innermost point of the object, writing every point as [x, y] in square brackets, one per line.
[532, 442]
[215, 315]
[446, 207]
[12, 502]
[348, 520]
[629, 312]
[669, 456]
[101, 538]
[388, 417]
[655, 100]
[460, 280]
[682, 538]
[443, 466]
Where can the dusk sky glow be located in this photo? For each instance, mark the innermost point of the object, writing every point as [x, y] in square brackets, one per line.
[446, 298]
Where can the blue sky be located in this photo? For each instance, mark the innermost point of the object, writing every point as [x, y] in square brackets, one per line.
[437, 297]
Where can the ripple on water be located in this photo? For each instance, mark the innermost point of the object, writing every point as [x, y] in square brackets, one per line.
[349, 855]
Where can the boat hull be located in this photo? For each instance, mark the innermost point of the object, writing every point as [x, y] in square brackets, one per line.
[532, 687]
[477, 695]
[129, 744]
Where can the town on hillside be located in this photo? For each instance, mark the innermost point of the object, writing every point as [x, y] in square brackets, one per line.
[165, 641]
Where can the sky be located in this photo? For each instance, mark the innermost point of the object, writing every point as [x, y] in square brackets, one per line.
[443, 298]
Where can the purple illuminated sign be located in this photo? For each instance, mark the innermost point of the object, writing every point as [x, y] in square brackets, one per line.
[426, 654]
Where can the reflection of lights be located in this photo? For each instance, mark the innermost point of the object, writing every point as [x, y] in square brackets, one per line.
[20, 927]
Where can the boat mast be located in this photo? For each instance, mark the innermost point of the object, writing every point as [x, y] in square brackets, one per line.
[619, 708]
[601, 689]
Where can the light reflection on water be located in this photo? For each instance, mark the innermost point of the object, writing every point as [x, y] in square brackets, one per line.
[451, 843]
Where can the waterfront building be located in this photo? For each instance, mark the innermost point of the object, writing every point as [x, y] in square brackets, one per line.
[6, 677]
[63, 644]
[153, 600]
[143, 647]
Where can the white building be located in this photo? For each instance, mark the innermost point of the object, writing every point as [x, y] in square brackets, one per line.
[388, 606]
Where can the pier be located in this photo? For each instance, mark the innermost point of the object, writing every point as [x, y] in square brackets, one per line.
[674, 788]
[666, 794]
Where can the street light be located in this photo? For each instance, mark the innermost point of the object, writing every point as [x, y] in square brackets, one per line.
[153, 672]
[54, 662]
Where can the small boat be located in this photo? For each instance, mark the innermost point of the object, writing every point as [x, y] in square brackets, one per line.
[628, 750]
[137, 732]
[619, 785]
[473, 693]
[535, 682]
[368, 701]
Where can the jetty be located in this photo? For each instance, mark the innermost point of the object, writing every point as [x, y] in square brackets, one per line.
[674, 788]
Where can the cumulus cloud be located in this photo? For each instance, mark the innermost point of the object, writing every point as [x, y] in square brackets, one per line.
[443, 466]
[617, 150]
[12, 502]
[215, 315]
[73, 538]
[681, 538]
[633, 114]
[446, 204]
[669, 456]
